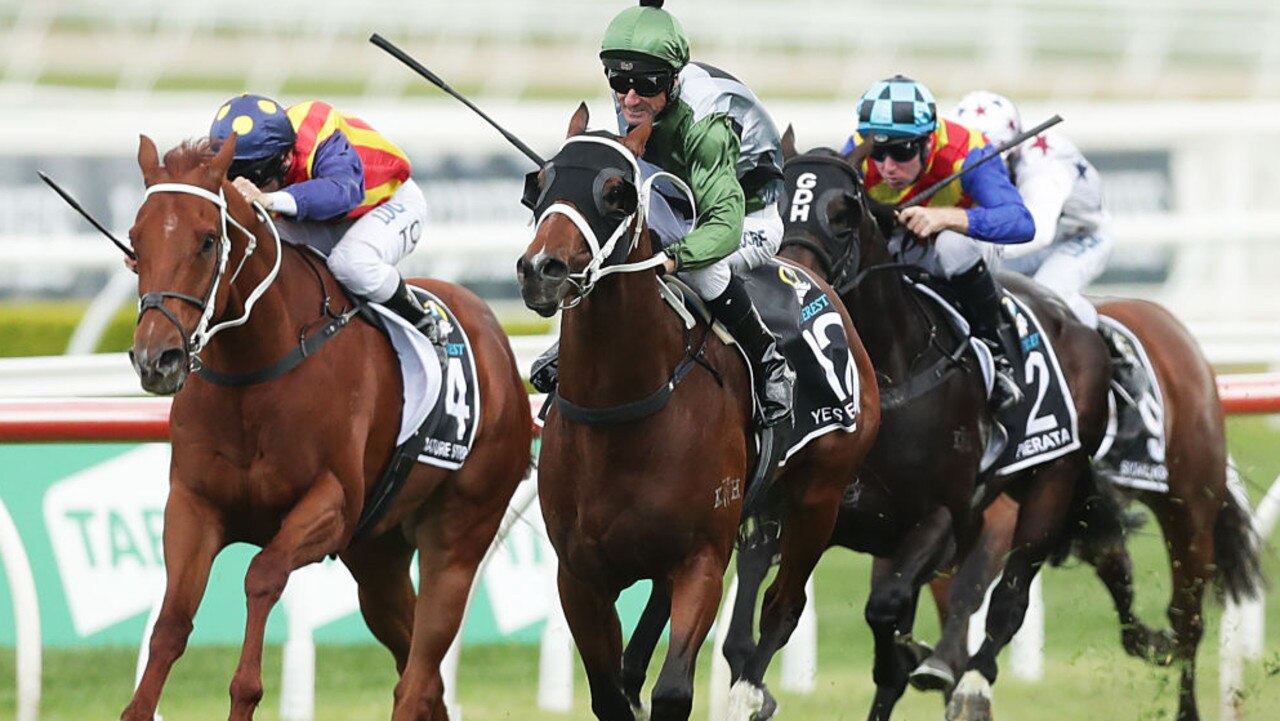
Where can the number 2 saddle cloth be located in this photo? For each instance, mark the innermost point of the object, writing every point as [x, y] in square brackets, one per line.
[1044, 426]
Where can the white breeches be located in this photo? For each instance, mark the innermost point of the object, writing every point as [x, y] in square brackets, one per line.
[950, 254]
[1067, 267]
[363, 253]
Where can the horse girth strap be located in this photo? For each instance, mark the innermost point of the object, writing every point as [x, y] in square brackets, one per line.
[636, 410]
[897, 395]
[307, 345]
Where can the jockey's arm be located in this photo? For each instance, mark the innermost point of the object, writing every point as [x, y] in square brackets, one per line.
[1045, 188]
[999, 215]
[712, 149]
[336, 186]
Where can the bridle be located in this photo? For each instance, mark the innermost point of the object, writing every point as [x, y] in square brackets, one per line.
[194, 342]
[585, 280]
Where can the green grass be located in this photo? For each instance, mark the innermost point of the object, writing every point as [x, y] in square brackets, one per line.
[1087, 676]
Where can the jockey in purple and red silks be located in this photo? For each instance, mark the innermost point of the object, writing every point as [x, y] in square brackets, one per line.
[338, 186]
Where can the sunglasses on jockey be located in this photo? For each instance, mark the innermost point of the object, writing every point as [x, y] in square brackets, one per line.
[260, 171]
[646, 84]
[901, 152]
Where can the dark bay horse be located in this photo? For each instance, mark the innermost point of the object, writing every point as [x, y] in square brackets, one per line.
[633, 488]
[1205, 525]
[289, 463]
[917, 500]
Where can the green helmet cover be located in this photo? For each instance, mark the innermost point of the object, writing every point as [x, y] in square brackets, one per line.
[644, 32]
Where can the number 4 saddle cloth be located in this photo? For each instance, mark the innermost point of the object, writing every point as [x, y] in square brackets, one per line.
[441, 403]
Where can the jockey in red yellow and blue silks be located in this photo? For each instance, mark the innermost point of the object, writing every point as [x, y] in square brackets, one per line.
[911, 151]
[337, 185]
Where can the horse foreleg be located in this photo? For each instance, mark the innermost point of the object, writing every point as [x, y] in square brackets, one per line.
[192, 537]
[1189, 537]
[890, 608]
[380, 568]
[753, 565]
[1041, 515]
[309, 532]
[805, 534]
[452, 539]
[593, 621]
[964, 595]
[695, 599]
[639, 650]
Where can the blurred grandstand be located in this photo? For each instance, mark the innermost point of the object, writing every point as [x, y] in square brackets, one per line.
[1128, 49]
[1142, 83]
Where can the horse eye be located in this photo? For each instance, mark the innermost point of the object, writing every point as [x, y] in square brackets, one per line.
[209, 240]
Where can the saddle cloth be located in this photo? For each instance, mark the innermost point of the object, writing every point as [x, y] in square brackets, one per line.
[1044, 426]
[1132, 453]
[811, 335]
[447, 436]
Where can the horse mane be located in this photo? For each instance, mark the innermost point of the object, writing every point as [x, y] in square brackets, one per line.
[189, 155]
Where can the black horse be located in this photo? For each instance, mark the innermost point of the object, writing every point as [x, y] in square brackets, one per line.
[917, 502]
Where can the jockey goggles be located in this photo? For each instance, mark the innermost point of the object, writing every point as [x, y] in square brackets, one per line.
[901, 152]
[646, 84]
[259, 171]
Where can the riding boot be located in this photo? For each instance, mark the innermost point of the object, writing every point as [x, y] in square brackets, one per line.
[980, 301]
[406, 305]
[544, 374]
[774, 378]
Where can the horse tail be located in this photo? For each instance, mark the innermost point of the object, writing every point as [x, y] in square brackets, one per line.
[1238, 567]
[1101, 523]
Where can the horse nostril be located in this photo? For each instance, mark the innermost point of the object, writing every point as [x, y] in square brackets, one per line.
[171, 360]
[553, 269]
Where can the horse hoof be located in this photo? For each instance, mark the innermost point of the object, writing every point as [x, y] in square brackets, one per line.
[746, 701]
[933, 674]
[770, 707]
[971, 700]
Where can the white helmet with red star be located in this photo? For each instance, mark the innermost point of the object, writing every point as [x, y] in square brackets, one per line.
[994, 115]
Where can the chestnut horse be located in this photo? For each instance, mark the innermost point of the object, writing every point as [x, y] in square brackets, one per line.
[633, 489]
[918, 500]
[1205, 525]
[290, 463]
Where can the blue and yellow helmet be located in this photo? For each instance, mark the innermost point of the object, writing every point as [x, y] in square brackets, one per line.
[898, 108]
[262, 128]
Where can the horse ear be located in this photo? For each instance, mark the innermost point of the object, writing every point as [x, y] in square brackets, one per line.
[578, 123]
[222, 161]
[789, 143]
[859, 153]
[148, 160]
[638, 138]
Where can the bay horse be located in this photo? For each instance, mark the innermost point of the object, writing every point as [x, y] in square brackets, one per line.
[632, 488]
[917, 501]
[290, 463]
[1206, 526]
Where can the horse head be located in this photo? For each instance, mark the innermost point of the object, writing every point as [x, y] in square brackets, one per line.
[830, 224]
[183, 240]
[584, 200]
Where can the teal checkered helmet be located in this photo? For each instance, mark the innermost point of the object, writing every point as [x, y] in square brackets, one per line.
[898, 108]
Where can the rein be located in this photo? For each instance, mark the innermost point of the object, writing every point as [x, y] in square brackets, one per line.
[585, 280]
[195, 341]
